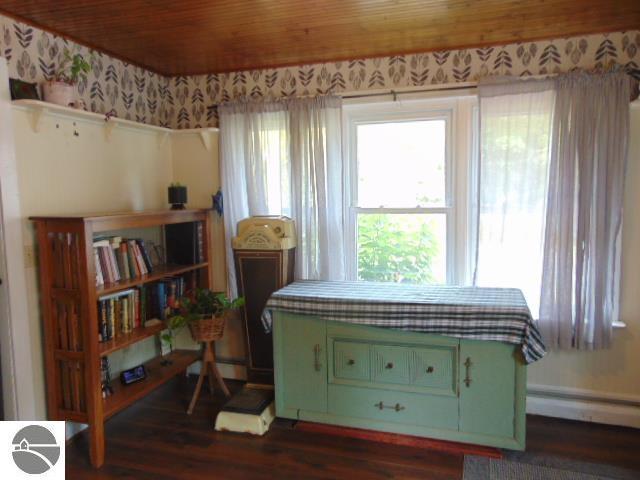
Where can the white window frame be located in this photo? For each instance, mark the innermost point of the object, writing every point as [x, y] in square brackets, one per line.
[458, 112]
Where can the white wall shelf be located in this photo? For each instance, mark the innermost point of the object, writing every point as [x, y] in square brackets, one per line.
[37, 109]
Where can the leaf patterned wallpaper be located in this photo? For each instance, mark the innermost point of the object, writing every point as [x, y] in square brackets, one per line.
[195, 95]
[189, 101]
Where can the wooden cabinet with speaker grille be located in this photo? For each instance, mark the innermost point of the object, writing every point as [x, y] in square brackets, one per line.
[264, 252]
[69, 302]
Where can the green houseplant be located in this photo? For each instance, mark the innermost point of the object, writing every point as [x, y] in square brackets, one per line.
[205, 314]
[72, 68]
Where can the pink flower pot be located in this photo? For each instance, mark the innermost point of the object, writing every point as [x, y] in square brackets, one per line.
[60, 93]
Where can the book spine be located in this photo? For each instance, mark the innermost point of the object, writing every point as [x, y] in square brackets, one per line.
[143, 304]
[109, 313]
[199, 242]
[162, 300]
[99, 276]
[132, 310]
[106, 271]
[114, 264]
[119, 260]
[117, 328]
[125, 260]
[133, 265]
[106, 254]
[139, 260]
[103, 322]
[124, 306]
[136, 308]
[100, 335]
[145, 256]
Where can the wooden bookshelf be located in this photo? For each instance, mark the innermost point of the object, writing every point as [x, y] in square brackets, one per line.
[126, 339]
[157, 374]
[69, 300]
[159, 272]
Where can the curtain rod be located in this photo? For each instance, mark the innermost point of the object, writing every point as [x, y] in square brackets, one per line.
[395, 93]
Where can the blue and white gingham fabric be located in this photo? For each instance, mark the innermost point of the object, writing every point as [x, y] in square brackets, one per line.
[499, 314]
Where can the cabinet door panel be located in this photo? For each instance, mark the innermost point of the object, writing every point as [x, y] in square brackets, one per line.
[300, 364]
[390, 364]
[487, 400]
[351, 360]
[434, 367]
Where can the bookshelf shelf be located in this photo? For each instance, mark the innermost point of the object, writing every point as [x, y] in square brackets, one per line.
[159, 272]
[70, 314]
[126, 339]
[123, 396]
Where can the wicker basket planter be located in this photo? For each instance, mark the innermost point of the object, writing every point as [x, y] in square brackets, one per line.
[207, 328]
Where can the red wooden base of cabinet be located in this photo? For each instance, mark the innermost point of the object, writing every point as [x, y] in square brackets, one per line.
[398, 439]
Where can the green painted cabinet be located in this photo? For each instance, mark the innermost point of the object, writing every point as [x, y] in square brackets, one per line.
[404, 382]
[300, 367]
[489, 388]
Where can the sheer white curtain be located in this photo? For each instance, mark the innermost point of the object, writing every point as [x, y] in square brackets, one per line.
[580, 281]
[553, 157]
[515, 126]
[284, 158]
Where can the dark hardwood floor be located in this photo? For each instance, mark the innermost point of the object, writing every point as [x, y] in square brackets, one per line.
[156, 439]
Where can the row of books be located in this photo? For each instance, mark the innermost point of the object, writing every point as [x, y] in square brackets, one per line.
[118, 259]
[121, 312]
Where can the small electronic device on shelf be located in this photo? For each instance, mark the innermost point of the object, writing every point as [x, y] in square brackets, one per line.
[133, 375]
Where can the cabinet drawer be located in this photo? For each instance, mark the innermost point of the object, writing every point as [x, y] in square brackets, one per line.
[351, 360]
[434, 367]
[390, 364]
[396, 407]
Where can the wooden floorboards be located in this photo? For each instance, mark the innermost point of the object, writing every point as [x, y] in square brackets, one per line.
[155, 439]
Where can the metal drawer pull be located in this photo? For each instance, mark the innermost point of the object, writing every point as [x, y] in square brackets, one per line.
[351, 361]
[397, 407]
[467, 378]
[429, 369]
[316, 357]
[389, 365]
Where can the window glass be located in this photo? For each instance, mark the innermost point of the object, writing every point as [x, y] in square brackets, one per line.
[401, 164]
[406, 248]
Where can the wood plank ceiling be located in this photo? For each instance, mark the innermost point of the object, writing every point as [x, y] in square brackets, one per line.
[207, 36]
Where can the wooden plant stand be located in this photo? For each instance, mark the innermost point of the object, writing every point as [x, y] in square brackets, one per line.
[208, 368]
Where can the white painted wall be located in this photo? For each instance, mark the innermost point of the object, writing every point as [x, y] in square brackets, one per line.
[195, 164]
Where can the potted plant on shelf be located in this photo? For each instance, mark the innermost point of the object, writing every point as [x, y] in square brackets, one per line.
[61, 89]
[205, 313]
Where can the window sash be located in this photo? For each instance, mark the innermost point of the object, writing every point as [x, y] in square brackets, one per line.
[458, 114]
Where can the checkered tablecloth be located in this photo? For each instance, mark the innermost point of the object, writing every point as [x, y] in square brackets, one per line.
[499, 314]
